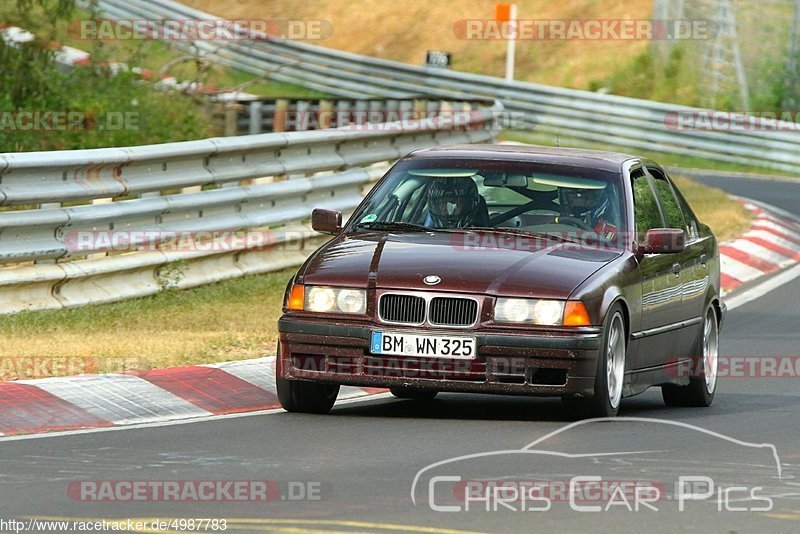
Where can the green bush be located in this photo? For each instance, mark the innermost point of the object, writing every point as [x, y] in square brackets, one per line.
[114, 109]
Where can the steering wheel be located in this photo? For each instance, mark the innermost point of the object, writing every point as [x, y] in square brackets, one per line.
[574, 221]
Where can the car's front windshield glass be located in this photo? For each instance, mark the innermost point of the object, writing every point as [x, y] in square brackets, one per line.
[513, 196]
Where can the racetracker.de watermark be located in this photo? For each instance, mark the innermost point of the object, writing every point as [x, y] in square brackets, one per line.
[90, 241]
[585, 30]
[738, 367]
[709, 120]
[27, 367]
[200, 29]
[45, 120]
[397, 120]
[194, 490]
[603, 235]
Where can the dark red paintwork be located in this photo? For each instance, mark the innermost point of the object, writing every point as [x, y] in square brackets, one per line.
[664, 298]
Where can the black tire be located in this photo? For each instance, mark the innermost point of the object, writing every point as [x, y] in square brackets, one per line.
[702, 385]
[601, 403]
[413, 393]
[305, 397]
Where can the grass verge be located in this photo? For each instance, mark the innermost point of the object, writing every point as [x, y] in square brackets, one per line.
[230, 320]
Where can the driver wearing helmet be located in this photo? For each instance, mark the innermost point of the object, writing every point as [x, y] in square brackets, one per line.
[454, 203]
[592, 206]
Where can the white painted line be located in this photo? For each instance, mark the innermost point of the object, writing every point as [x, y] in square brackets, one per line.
[121, 399]
[774, 209]
[763, 288]
[759, 251]
[738, 270]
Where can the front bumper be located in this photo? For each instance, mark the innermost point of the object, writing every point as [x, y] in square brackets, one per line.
[506, 362]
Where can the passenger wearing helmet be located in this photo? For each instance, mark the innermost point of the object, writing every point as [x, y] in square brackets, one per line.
[592, 207]
[455, 203]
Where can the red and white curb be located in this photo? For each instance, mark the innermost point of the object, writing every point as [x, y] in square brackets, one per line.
[98, 401]
[772, 243]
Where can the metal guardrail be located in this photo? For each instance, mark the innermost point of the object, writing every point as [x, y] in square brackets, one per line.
[622, 121]
[268, 181]
[255, 115]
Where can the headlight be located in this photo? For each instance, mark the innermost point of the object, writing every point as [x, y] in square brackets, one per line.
[352, 300]
[542, 312]
[335, 300]
[320, 299]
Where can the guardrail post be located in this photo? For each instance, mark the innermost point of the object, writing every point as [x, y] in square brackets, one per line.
[343, 113]
[360, 115]
[392, 108]
[446, 109]
[279, 119]
[406, 110]
[255, 117]
[375, 111]
[231, 127]
[303, 110]
[325, 116]
[420, 108]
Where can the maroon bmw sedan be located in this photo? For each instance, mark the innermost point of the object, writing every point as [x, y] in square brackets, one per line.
[513, 270]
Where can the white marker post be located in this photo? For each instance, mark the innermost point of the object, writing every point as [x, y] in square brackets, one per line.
[508, 13]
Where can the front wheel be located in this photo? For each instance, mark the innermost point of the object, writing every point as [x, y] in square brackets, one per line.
[610, 373]
[703, 384]
[304, 397]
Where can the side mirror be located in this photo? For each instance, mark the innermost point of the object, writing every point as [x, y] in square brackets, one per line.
[663, 241]
[326, 221]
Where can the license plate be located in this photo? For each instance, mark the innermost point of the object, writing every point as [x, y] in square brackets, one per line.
[395, 344]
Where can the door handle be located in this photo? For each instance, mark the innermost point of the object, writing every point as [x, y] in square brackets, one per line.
[703, 259]
[676, 269]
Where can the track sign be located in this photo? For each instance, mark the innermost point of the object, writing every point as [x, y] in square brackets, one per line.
[437, 58]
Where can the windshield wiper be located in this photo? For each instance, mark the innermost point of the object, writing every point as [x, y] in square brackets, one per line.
[404, 226]
[389, 225]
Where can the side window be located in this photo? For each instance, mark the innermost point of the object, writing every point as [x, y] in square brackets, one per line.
[691, 222]
[672, 211]
[645, 207]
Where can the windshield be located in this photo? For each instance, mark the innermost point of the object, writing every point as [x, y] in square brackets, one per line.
[538, 198]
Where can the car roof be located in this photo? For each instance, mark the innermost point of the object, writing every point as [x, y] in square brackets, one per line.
[578, 157]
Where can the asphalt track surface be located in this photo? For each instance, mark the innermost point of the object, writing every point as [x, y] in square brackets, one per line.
[363, 458]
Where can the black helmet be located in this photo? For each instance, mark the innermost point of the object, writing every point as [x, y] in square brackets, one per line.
[578, 202]
[452, 201]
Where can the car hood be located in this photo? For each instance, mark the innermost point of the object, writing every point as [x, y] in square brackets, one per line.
[486, 263]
